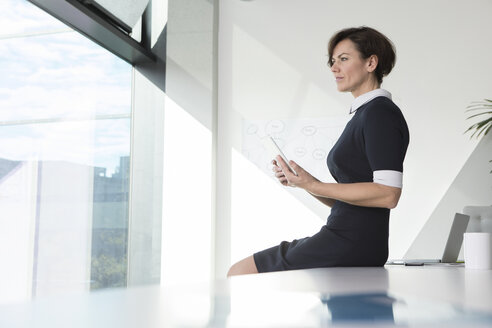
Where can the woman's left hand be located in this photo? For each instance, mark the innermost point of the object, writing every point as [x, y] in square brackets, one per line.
[302, 180]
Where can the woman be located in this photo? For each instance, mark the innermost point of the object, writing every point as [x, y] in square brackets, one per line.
[366, 162]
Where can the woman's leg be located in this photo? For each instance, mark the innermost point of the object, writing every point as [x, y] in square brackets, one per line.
[245, 266]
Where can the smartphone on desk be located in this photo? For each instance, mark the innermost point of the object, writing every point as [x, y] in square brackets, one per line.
[277, 151]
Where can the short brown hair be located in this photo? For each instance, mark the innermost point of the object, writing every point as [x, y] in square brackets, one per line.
[368, 42]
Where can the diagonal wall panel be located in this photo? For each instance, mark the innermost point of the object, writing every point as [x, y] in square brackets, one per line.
[472, 186]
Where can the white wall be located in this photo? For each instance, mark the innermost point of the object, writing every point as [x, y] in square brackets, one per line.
[272, 64]
[187, 225]
[471, 187]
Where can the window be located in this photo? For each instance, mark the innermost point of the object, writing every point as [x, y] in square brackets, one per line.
[65, 122]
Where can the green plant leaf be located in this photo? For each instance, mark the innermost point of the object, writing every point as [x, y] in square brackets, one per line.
[483, 127]
[484, 113]
[478, 106]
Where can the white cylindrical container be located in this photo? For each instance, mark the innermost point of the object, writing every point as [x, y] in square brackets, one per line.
[478, 250]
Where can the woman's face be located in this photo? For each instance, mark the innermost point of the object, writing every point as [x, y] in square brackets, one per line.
[353, 73]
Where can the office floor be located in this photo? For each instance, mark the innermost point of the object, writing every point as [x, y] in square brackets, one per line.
[354, 297]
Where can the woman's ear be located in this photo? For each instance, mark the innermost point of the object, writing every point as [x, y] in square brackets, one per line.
[372, 63]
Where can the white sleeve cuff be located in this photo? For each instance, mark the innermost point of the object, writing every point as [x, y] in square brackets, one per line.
[388, 178]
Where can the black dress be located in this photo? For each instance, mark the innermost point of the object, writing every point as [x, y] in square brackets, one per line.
[376, 138]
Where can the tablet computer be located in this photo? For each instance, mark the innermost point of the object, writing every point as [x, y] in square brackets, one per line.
[277, 151]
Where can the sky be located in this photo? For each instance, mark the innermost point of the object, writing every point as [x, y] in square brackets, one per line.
[62, 97]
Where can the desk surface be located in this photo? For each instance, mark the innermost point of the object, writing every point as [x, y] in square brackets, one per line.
[360, 297]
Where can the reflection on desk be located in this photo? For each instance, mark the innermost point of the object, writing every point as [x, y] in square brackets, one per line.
[364, 308]
[357, 297]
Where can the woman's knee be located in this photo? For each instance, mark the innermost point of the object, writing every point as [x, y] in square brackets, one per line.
[245, 266]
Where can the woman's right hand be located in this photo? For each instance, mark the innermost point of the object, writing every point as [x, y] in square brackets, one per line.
[279, 174]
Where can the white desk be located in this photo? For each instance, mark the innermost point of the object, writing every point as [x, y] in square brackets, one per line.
[394, 295]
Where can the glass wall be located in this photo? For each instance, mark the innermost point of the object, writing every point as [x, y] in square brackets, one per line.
[65, 119]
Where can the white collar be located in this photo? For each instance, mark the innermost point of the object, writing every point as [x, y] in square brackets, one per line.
[366, 97]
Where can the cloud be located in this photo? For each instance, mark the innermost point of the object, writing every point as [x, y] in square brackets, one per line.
[20, 16]
[60, 76]
[94, 143]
